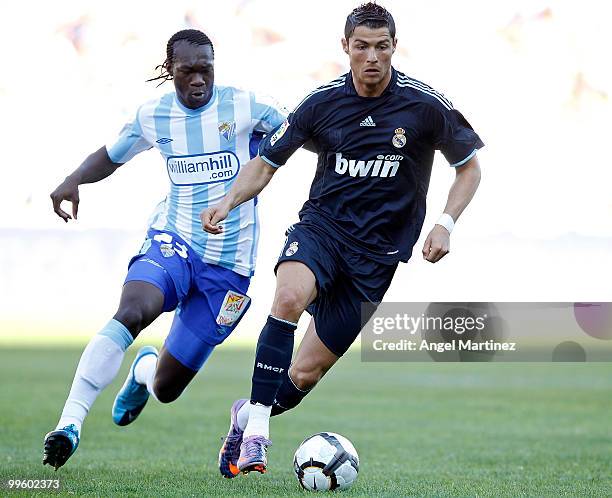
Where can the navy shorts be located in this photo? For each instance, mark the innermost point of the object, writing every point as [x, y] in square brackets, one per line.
[346, 278]
[210, 300]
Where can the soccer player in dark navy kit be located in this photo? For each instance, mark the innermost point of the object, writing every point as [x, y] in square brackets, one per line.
[376, 131]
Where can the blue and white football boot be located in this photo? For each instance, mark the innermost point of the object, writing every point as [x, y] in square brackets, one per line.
[60, 445]
[132, 397]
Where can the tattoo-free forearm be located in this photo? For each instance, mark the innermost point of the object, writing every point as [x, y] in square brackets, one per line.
[94, 168]
[463, 189]
[251, 180]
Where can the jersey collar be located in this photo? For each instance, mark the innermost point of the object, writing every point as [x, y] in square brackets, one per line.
[350, 86]
[187, 110]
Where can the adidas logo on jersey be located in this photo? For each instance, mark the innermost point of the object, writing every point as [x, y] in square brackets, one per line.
[368, 122]
[384, 166]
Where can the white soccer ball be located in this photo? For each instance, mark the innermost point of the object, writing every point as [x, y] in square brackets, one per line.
[326, 461]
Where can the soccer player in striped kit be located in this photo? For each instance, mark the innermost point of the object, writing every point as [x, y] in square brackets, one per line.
[204, 133]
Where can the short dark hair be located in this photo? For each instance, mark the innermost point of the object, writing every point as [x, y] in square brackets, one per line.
[371, 15]
[189, 35]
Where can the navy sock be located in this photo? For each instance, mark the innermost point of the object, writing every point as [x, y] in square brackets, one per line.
[288, 396]
[272, 359]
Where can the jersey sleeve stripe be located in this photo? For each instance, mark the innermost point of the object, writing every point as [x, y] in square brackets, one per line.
[404, 78]
[334, 84]
[424, 86]
[405, 81]
[271, 163]
[462, 162]
[437, 97]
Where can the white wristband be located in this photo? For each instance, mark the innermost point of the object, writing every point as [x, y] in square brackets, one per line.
[446, 220]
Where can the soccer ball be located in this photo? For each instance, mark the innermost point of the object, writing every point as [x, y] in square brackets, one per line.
[326, 461]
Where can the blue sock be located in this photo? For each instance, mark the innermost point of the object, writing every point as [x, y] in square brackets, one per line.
[272, 359]
[118, 333]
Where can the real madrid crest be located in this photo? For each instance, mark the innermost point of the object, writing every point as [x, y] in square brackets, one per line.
[399, 139]
[292, 249]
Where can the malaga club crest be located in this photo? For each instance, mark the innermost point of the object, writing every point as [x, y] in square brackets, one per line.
[227, 129]
[167, 250]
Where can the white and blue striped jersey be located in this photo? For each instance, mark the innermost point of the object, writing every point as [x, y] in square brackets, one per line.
[203, 149]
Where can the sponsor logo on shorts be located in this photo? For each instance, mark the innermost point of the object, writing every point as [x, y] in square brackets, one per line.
[292, 249]
[167, 250]
[279, 133]
[270, 367]
[233, 307]
[203, 168]
[170, 247]
[384, 166]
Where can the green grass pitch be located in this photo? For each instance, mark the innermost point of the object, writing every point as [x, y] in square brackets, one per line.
[420, 429]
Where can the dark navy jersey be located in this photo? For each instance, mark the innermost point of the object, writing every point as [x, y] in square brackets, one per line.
[374, 159]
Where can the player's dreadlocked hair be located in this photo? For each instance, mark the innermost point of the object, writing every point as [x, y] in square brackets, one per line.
[371, 15]
[190, 35]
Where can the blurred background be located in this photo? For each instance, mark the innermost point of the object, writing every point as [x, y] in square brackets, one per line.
[530, 76]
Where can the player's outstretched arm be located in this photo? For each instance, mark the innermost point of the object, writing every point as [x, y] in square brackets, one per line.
[467, 178]
[251, 180]
[94, 168]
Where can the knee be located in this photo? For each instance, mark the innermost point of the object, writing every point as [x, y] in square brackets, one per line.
[289, 303]
[305, 377]
[164, 392]
[132, 316]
